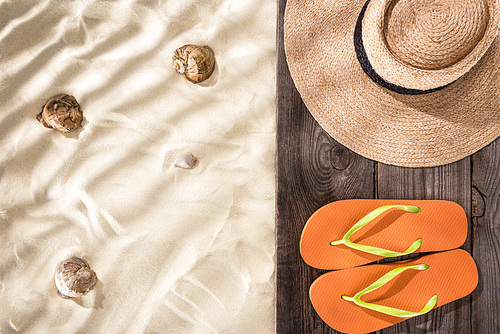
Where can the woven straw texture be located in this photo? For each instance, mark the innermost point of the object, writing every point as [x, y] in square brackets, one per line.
[424, 44]
[406, 130]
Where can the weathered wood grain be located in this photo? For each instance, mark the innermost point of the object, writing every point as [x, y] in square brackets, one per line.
[312, 170]
[486, 238]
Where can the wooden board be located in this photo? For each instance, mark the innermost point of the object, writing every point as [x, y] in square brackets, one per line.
[313, 170]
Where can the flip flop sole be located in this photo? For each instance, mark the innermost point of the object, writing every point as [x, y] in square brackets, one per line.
[451, 275]
[442, 225]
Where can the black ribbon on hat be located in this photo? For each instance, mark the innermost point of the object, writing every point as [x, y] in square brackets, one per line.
[368, 68]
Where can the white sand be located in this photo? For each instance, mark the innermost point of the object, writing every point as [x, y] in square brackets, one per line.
[175, 251]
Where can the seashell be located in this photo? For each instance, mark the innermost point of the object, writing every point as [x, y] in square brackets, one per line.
[62, 113]
[74, 278]
[197, 63]
[186, 161]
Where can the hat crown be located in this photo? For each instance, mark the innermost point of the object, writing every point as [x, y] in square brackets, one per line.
[434, 34]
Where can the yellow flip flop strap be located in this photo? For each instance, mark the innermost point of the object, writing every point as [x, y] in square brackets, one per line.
[390, 310]
[375, 250]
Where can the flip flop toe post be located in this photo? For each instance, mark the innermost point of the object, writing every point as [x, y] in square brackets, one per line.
[373, 297]
[351, 233]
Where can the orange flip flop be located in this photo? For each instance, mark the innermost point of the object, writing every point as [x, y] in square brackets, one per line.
[372, 297]
[350, 233]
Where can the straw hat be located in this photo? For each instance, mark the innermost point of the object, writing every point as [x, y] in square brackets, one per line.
[406, 82]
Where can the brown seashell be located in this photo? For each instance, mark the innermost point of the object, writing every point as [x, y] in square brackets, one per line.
[186, 161]
[74, 278]
[62, 113]
[197, 63]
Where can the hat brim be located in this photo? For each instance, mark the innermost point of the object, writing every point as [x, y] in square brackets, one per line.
[405, 130]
